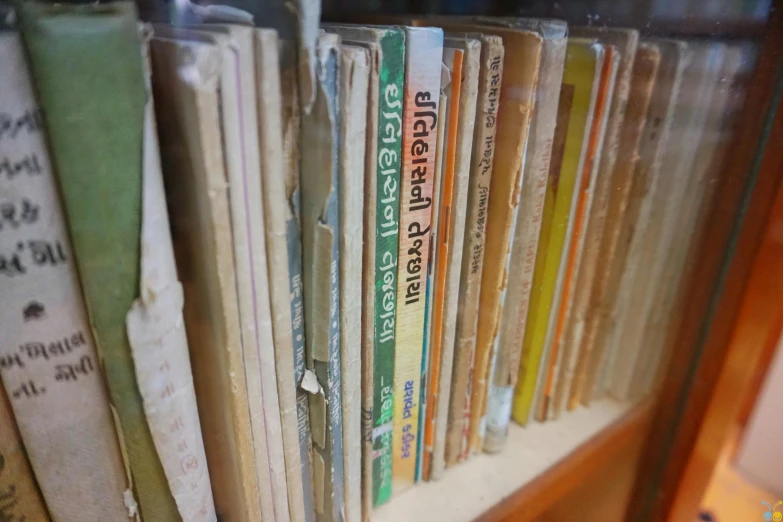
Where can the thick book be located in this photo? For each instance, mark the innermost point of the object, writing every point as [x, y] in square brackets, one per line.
[319, 186]
[527, 229]
[48, 359]
[624, 43]
[667, 172]
[481, 155]
[381, 234]
[87, 65]
[290, 129]
[452, 233]
[578, 92]
[276, 209]
[439, 249]
[21, 499]
[423, 54]
[354, 85]
[645, 71]
[564, 354]
[189, 126]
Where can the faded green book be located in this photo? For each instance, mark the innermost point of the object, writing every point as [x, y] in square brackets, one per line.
[87, 65]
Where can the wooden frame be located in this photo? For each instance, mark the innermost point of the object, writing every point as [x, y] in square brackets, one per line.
[729, 313]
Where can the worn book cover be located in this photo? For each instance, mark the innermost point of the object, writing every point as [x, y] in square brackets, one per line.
[576, 106]
[482, 149]
[643, 77]
[48, 361]
[354, 84]
[21, 499]
[673, 215]
[624, 42]
[86, 61]
[560, 373]
[527, 228]
[319, 185]
[290, 128]
[195, 178]
[453, 233]
[423, 54]
[275, 205]
[663, 179]
[381, 233]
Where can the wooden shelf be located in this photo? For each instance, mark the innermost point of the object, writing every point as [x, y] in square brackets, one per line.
[539, 464]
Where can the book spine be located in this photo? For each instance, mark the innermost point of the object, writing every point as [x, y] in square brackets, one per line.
[21, 499]
[89, 75]
[526, 243]
[290, 127]
[387, 227]
[277, 211]
[321, 260]
[353, 99]
[48, 359]
[423, 54]
[491, 74]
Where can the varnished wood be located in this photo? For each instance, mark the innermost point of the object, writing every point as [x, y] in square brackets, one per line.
[532, 500]
[701, 349]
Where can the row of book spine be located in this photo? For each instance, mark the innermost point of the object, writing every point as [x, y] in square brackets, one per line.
[258, 279]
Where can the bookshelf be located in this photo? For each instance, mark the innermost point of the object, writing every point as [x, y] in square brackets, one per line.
[539, 465]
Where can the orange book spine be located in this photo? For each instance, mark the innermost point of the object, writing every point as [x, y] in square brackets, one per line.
[446, 204]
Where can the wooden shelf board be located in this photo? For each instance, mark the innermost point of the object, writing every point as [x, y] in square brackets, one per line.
[488, 486]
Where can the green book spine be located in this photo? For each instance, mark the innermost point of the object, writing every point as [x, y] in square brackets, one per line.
[87, 65]
[392, 75]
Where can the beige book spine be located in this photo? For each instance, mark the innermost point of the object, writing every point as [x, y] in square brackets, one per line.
[21, 499]
[625, 42]
[490, 75]
[644, 74]
[455, 235]
[270, 111]
[48, 359]
[159, 346]
[354, 85]
[185, 83]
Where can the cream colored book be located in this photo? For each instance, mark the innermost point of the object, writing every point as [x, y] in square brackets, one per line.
[453, 233]
[48, 360]
[270, 121]
[19, 490]
[354, 90]
[659, 162]
[624, 43]
[186, 83]
[479, 178]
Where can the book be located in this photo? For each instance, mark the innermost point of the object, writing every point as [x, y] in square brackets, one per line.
[87, 65]
[452, 232]
[578, 92]
[624, 43]
[667, 168]
[354, 85]
[564, 354]
[423, 54]
[479, 178]
[290, 129]
[381, 233]
[189, 127]
[527, 228]
[319, 186]
[21, 499]
[47, 355]
[432, 265]
[276, 207]
[644, 74]
[522, 54]
[676, 216]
